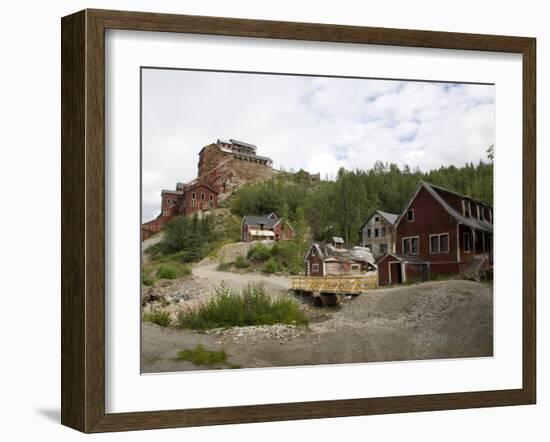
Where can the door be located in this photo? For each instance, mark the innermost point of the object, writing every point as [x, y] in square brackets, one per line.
[333, 268]
[425, 272]
[395, 273]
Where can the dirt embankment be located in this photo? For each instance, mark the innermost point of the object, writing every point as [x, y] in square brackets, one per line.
[443, 319]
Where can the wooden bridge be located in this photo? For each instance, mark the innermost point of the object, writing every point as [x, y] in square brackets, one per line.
[330, 290]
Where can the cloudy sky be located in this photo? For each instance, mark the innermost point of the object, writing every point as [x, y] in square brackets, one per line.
[318, 124]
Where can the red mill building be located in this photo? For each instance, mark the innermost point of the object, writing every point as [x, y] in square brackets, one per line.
[223, 167]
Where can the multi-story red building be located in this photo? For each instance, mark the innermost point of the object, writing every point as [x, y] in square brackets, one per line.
[223, 167]
[197, 198]
[439, 232]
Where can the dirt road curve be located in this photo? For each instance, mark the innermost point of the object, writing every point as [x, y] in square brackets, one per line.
[433, 320]
[213, 278]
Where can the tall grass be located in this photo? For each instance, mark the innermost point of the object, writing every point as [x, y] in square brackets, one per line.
[251, 307]
[173, 271]
[157, 316]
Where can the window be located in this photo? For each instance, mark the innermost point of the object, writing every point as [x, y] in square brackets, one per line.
[410, 215]
[315, 268]
[166, 212]
[376, 218]
[444, 243]
[467, 242]
[193, 202]
[376, 233]
[410, 245]
[383, 248]
[368, 233]
[202, 196]
[439, 243]
[466, 208]
[193, 196]
[211, 197]
[355, 267]
[383, 232]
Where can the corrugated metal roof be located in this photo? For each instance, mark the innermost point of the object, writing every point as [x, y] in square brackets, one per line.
[256, 220]
[328, 251]
[390, 217]
[242, 143]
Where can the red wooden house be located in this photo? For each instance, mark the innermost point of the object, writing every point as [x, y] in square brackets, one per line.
[439, 232]
[265, 227]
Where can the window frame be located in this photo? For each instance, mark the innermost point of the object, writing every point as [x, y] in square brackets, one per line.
[410, 211]
[410, 238]
[439, 236]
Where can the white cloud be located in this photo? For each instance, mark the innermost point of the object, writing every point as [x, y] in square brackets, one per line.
[319, 124]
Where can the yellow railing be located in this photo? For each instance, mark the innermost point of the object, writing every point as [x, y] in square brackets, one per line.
[335, 284]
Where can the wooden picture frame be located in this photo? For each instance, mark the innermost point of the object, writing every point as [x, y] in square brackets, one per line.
[83, 220]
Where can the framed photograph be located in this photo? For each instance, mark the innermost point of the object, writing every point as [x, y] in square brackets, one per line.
[269, 220]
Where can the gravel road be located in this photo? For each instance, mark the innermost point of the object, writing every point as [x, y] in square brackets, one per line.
[432, 320]
[213, 278]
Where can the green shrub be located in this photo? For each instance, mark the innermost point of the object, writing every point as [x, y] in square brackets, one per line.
[251, 307]
[276, 249]
[192, 236]
[270, 266]
[147, 279]
[241, 262]
[200, 356]
[157, 316]
[170, 271]
[295, 268]
[167, 272]
[259, 252]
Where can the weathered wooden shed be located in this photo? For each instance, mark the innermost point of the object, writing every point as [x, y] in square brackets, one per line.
[397, 269]
[334, 260]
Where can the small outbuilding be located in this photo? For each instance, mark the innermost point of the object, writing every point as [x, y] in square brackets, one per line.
[332, 260]
[397, 269]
